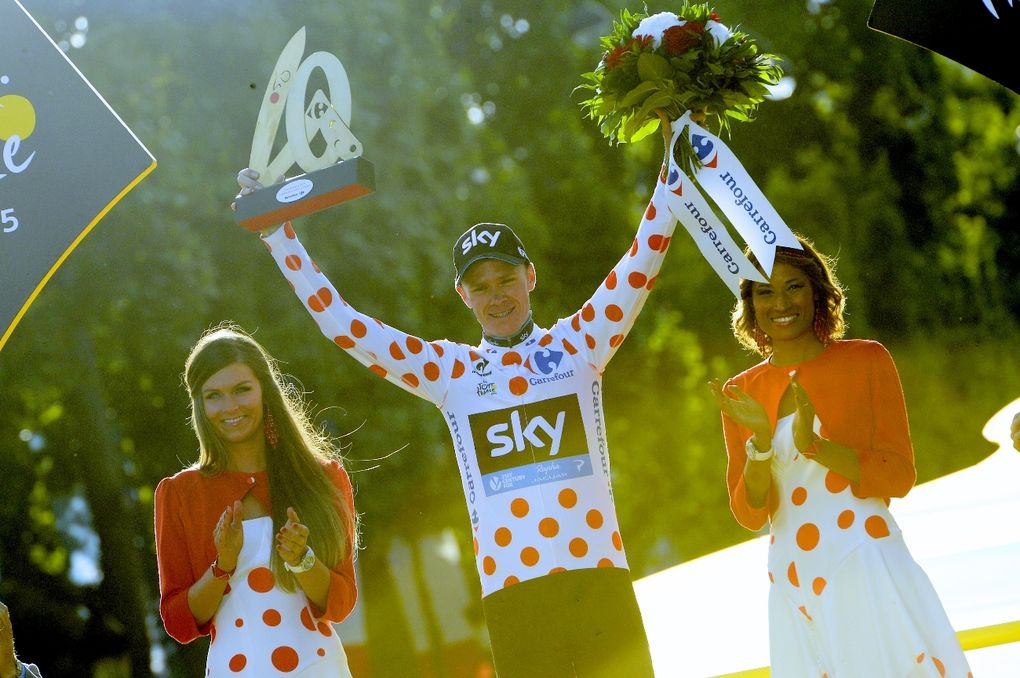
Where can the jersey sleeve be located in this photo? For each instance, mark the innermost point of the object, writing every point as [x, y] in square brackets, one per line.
[343, 587]
[175, 573]
[887, 464]
[598, 329]
[415, 365]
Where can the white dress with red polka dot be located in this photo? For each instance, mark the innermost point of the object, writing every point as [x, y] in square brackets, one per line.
[847, 599]
[262, 630]
[526, 421]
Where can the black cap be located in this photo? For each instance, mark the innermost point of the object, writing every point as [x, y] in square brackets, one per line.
[487, 241]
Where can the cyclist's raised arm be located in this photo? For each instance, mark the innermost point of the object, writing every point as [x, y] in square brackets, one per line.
[603, 322]
[418, 366]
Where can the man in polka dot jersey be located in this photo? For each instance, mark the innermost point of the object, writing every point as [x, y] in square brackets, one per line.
[525, 413]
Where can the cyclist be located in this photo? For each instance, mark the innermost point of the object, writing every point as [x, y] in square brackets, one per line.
[526, 416]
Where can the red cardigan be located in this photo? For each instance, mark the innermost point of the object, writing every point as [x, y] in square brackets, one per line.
[858, 398]
[188, 505]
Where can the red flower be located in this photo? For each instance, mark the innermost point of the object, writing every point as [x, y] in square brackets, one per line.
[714, 16]
[679, 39]
[612, 59]
[642, 41]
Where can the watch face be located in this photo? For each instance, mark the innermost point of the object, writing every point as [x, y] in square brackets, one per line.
[305, 564]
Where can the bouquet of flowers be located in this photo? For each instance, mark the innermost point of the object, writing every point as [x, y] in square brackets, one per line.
[668, 63]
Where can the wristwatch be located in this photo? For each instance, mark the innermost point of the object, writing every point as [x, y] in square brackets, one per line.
[305, 564]
[754, 454]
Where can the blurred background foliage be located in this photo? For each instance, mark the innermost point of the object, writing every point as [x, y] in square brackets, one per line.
[903, 163]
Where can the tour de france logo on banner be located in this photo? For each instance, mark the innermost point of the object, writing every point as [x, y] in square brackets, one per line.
[66, 159]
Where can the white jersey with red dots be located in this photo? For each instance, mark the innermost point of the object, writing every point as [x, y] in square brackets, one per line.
[847, 598]
[527, 422]
[262, 630]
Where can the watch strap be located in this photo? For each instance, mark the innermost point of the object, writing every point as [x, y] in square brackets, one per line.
[306, 563]
[754, 454]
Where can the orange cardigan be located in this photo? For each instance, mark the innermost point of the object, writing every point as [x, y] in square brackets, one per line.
[188, 505]
[858, 398]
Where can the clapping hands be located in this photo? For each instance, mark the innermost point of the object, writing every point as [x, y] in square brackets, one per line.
[292, 539]
[744, 410]
[228, 535]
[804, 417]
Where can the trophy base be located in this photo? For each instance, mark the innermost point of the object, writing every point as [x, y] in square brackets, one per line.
[305, 194]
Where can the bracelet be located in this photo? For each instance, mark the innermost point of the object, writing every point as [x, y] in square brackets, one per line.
[811, 450]
[219, 573]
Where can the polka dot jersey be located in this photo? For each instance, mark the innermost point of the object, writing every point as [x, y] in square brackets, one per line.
[527, 422]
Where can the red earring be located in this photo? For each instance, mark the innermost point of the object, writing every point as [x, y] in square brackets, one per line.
[821, 330]
[269, 427]
[761, 340]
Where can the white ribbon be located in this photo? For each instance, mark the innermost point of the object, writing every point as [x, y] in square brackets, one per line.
[731, 187]
[691, 209]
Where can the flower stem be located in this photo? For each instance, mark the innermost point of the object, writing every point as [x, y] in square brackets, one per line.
[667, 134]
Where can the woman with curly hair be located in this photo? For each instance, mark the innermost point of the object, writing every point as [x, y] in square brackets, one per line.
[818, 442]
[255, 542]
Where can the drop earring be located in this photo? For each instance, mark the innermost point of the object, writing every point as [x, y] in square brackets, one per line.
[821, 329]
[269, 427]
[761, 340]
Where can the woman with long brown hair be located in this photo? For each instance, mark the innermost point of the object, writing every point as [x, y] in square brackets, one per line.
[255, 542]
[818, 442]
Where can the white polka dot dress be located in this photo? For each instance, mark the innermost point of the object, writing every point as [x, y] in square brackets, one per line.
[847, 599]
[261, 630]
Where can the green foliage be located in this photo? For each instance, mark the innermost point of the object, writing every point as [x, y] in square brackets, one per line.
[953, 382]
[903, 163]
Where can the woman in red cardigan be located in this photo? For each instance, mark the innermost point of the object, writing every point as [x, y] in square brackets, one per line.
[255, 542]
[818, 442]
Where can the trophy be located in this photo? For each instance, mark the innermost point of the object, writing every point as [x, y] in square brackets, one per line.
[334, 175]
